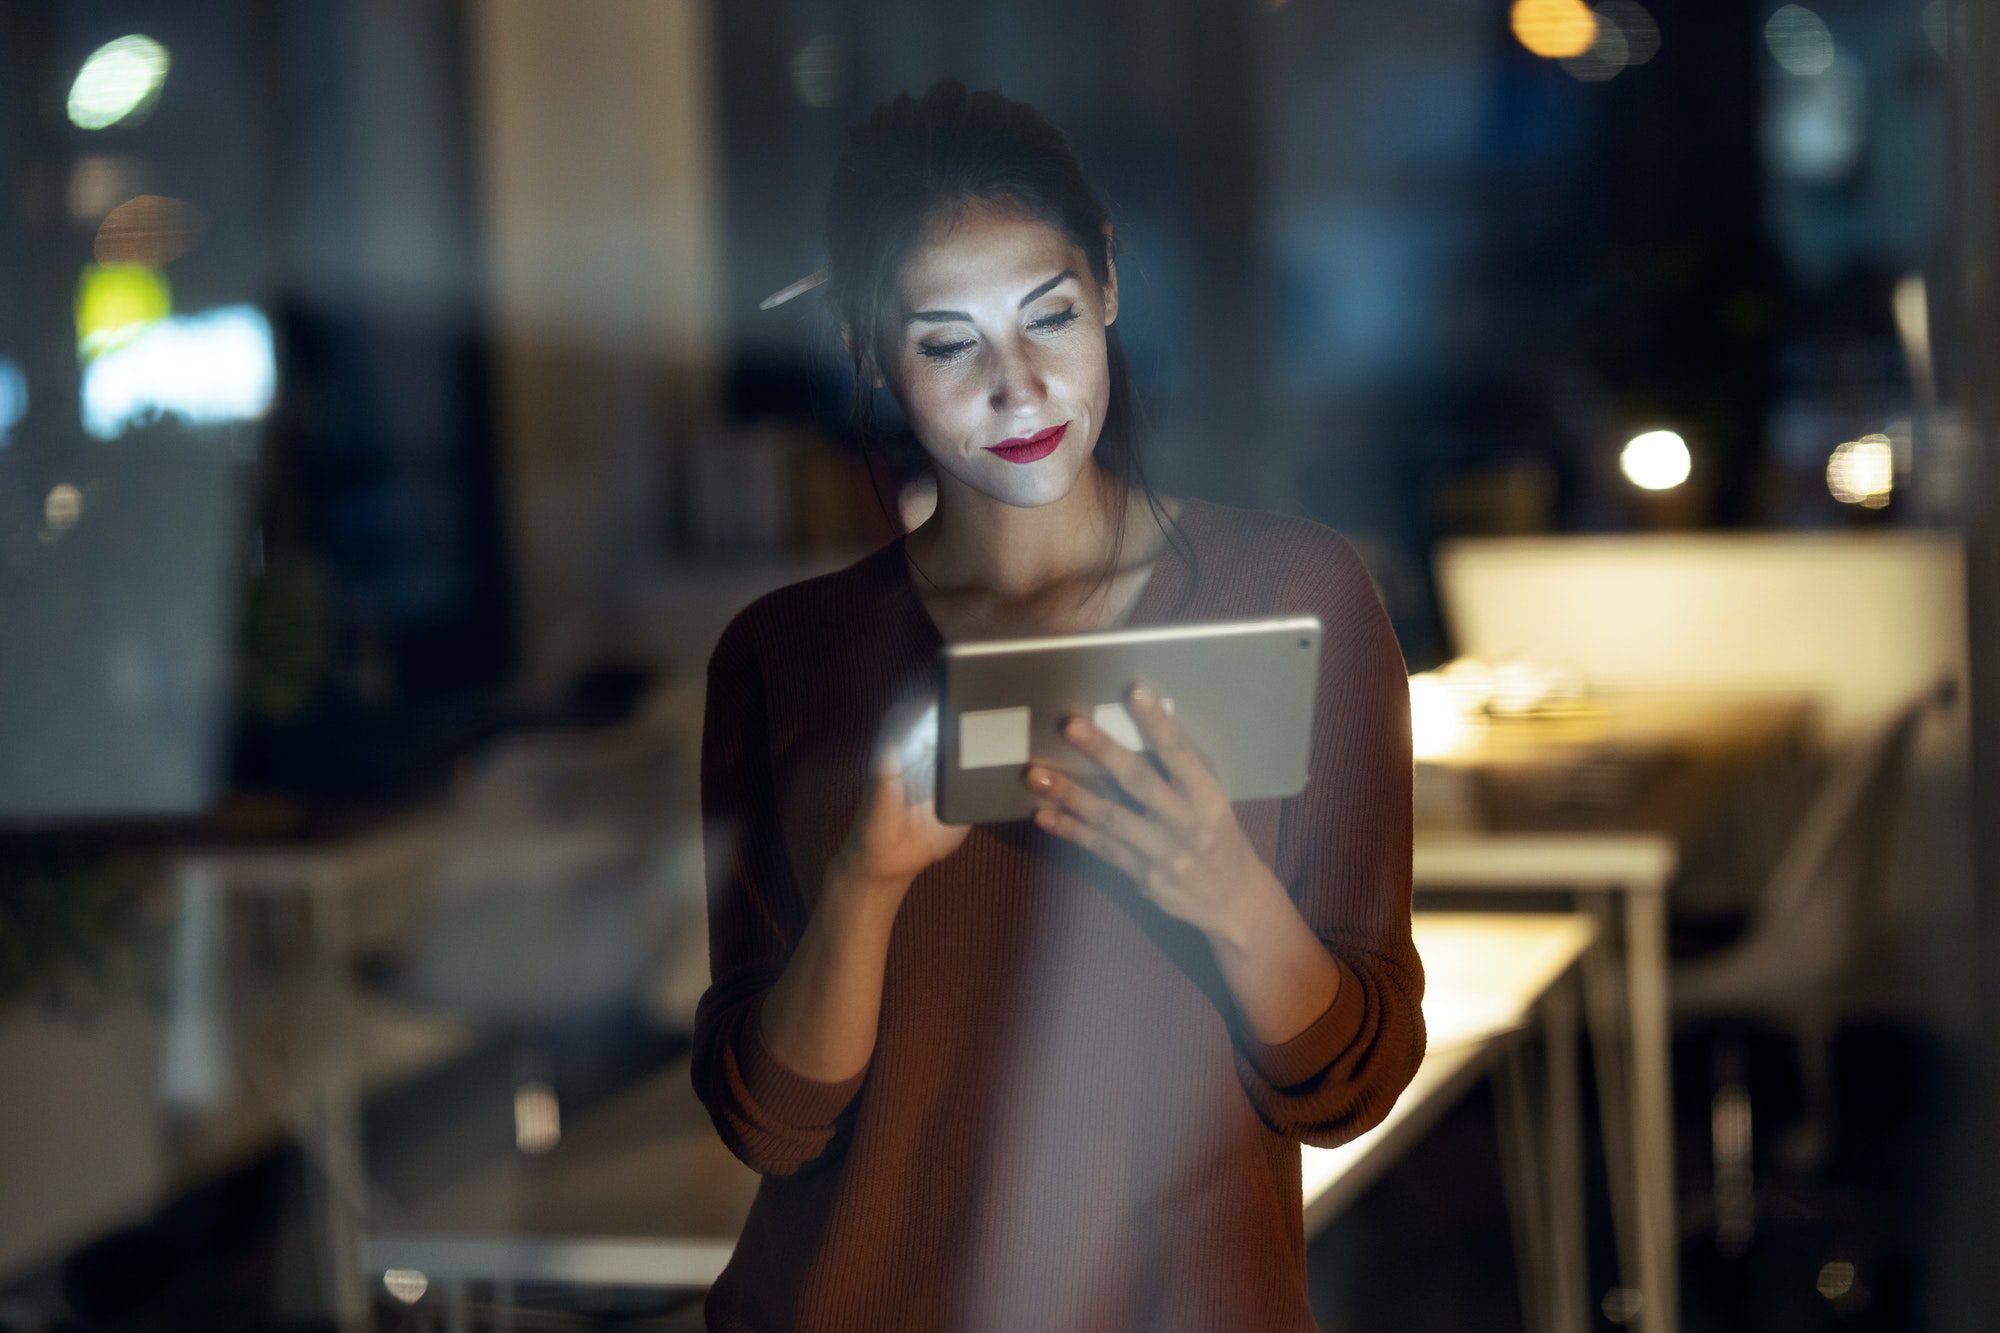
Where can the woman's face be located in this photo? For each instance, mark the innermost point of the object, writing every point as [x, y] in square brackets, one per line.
[998, 336]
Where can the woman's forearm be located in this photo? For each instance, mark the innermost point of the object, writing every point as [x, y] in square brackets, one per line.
[1280, 975]
[820, 1017]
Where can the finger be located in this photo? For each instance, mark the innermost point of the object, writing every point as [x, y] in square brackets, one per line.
[1145, 836]
[1187, 769]
[1066, 825]
[1132, 770]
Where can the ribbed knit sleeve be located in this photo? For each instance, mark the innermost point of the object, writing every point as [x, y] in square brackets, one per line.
[1344, 853]
[772, 1117]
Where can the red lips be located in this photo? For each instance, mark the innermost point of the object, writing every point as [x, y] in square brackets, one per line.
[1039, 445]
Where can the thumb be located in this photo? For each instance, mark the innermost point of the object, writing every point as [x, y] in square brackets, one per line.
[906, 747]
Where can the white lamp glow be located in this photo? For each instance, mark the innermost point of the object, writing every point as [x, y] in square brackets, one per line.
[1656, 461]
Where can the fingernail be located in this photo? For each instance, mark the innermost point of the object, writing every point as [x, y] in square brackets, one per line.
[1142, 696]
[1073, 728]
[1039, 779]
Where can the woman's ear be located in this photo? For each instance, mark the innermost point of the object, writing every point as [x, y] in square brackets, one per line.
[1110, 277]
[864, 363]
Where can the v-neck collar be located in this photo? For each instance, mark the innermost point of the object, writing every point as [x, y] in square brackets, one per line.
[1145, 607]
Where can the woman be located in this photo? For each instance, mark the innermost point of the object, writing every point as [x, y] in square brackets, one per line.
[1050, 1074]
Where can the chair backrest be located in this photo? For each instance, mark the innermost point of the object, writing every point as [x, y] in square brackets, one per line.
[1835, 863]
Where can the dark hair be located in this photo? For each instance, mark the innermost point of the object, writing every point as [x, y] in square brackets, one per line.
[914, 161]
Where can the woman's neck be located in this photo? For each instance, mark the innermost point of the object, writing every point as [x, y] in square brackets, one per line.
[973, 543]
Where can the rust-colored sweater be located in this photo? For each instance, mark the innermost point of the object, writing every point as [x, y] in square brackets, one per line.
[1065, 1124]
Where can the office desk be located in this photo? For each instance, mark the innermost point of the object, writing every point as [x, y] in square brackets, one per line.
[1596, 807]
[641, 1193]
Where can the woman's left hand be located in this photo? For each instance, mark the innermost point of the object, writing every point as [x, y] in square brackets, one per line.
[1183, 848]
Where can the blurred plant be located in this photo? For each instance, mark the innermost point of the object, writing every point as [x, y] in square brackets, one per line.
[69, 919]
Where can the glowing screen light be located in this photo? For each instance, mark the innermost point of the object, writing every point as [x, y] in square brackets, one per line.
[1862, 472]
[1656, 461]
[1553, 28]
[205, 370]
[115, 303]
[120, 81]
[13, 396]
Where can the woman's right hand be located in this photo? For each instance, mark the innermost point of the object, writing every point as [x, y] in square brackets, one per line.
[896, 833]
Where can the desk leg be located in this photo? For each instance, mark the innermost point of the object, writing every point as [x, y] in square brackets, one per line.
[1539, 1117]
[1522, 1124]
[1569, 1259]
[1607, 1013]
[329, 1093]
[1652, 1109]
[195, 1057]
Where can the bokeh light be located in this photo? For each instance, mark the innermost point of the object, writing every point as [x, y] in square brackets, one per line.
[203, 370]
[1816, 128]
[1658, 460]
[1862, 472]
[1635, 23]
[537, 1118]
[13, 396]
[1836, 1279]
[151, 230]
[1609, 53]
[1553, 28]
[120, 81]
[816, 71]
[98, 182]
[62, 507]
[115, 303]
[406, 1284]
[1799, 40]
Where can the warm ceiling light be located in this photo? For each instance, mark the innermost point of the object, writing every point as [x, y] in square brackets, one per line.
[1554, 28]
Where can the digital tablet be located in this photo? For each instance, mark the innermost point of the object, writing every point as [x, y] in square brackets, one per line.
[1242, 692]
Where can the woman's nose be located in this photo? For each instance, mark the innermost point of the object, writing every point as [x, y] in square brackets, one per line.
[1016, 381]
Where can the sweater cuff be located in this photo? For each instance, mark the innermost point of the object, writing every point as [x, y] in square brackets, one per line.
[1311, 1051]
[784, 1093]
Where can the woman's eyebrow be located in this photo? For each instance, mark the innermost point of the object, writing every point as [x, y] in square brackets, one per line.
[946, 316]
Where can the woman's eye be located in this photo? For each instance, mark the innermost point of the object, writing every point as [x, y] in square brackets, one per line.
[946, 351]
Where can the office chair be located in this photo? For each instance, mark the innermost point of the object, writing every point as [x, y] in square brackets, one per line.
[1805, 945]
